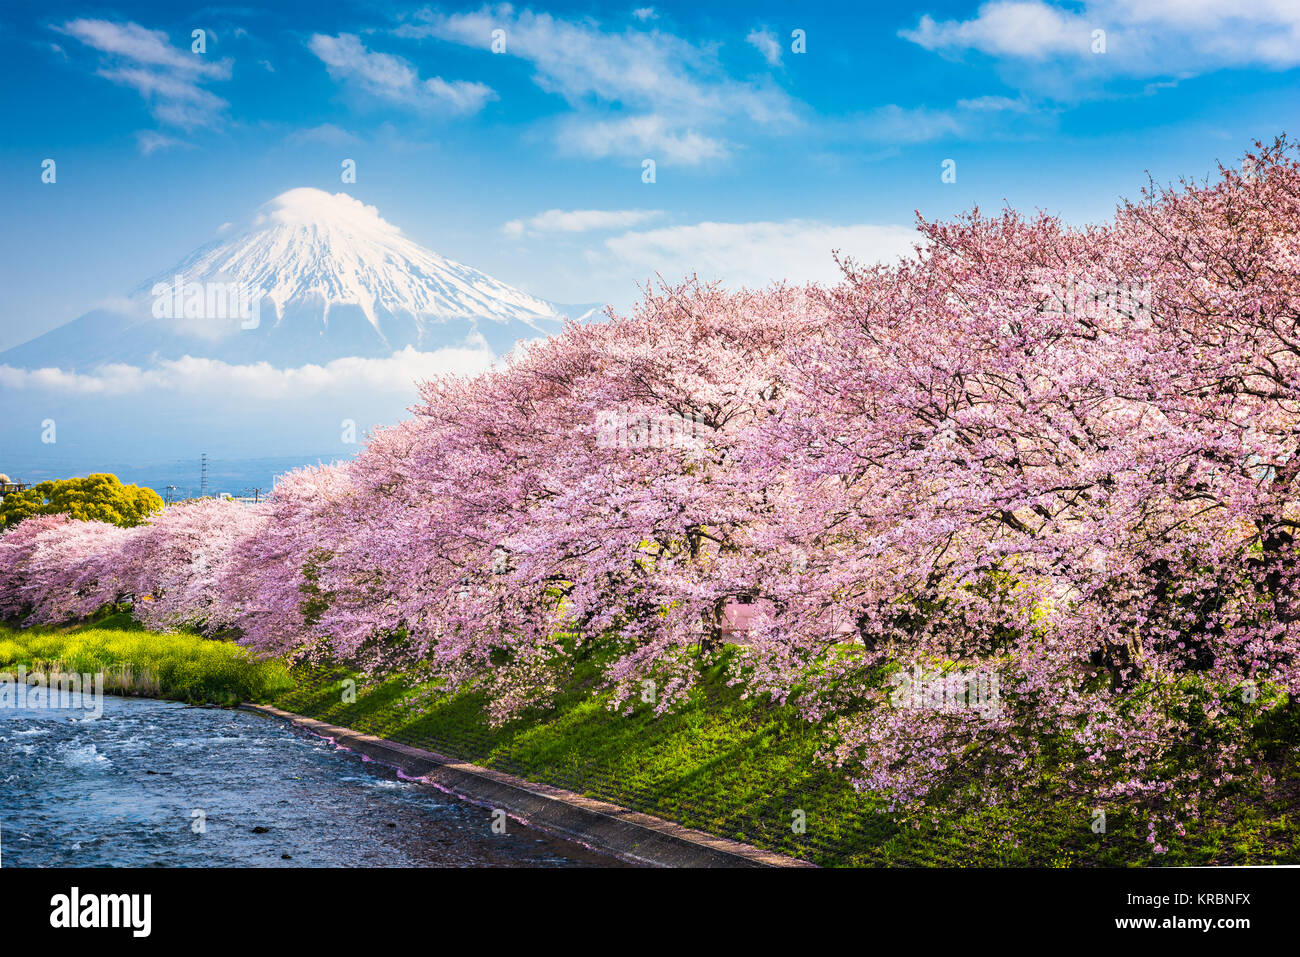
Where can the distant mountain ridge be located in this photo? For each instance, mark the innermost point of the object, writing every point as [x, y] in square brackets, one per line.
[328, 278]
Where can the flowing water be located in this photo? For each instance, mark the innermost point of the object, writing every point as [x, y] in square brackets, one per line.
[160, 784]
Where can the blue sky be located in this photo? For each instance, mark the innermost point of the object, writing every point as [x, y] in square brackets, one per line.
[528, 163]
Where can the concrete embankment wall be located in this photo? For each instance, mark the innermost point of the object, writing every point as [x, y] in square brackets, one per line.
[628, 835]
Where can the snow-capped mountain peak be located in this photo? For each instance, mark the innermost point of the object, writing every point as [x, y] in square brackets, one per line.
[330, 278]
[307, 244]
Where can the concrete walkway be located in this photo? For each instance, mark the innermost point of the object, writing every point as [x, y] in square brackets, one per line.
[628, 835]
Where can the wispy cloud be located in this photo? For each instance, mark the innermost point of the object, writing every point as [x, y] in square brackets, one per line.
[259, 380]
[1019, 29]
[1143, 38]
[755, 254]
[896, 124]
[650, 135]
[981, 117]
[393, 78]
[326, 134]
[151, 141]
[996, 104]
[578, 221]
[168, 78]
[765, 42]
[633, 93]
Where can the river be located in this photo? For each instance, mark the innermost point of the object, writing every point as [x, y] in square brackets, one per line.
[160, 784]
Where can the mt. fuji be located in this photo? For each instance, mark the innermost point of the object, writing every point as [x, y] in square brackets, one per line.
[328, 278]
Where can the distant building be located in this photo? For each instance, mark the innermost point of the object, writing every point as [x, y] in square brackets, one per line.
[8, 485]
[241, 499]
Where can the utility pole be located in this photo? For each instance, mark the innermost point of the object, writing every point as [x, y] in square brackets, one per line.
[171, 493]
[257, 494]
[203, 477]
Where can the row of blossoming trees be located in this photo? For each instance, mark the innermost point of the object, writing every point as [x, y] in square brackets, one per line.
[1065, 457]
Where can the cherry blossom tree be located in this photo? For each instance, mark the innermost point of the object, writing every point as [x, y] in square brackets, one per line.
[17, 545]
[585, 491]
[177, 565]
[1017, 512]
[67, 569]
[1064, 456]
[267, 586]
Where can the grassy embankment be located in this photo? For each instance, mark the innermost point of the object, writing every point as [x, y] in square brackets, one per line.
[741, 768]
[142, 663]
[733, 767]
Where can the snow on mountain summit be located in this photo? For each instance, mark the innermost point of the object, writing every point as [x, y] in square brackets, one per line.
[307, 205]
[332, 279]
[309, 244]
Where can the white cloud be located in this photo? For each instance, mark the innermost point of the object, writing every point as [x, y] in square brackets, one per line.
[167, 77]
[765, 42]
[462, 95]
[140, 45]
[645, 13]
[651, 136]
[578, 221]
[756, 254]
[673, 98]
[981, 117]
[392, 78]
[995, 104]
[397, 373]
[1143, 37]
[896, 124]
[326, 134]
[150, 141]
[1023, 29]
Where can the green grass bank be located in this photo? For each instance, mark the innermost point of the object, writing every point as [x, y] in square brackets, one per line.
[743, 768]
